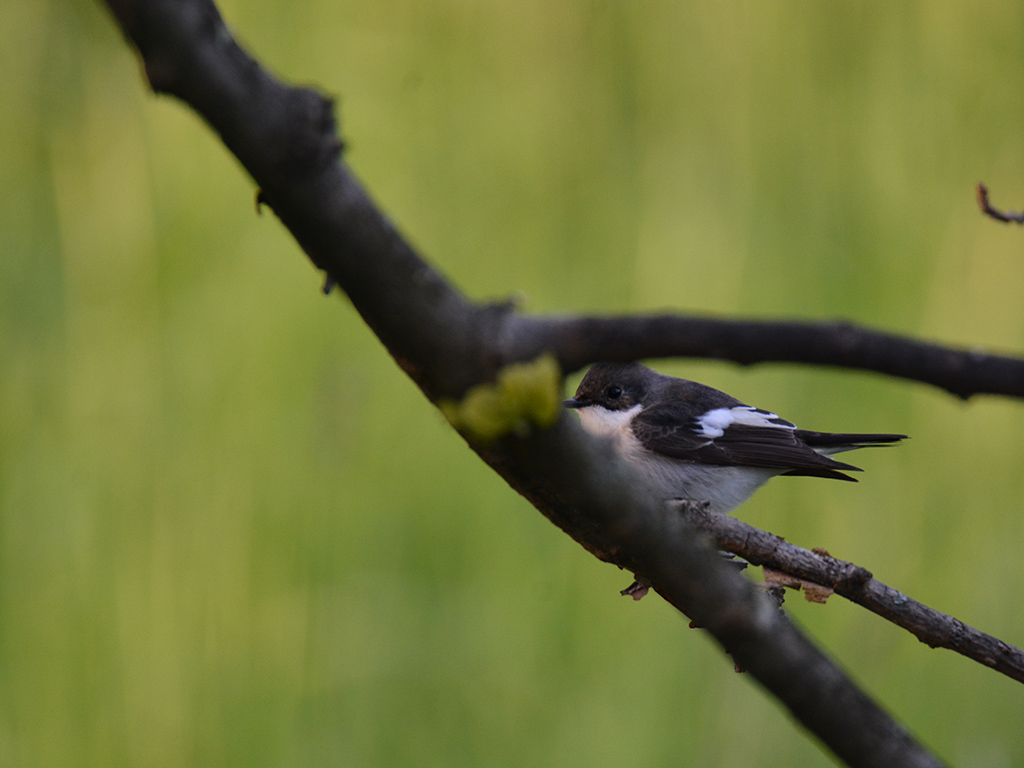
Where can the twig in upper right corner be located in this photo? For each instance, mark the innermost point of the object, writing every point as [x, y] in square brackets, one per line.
[989, 210]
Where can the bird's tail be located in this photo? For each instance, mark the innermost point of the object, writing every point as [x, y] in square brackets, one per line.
[827, 443]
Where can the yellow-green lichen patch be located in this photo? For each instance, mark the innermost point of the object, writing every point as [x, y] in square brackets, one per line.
[525, 395]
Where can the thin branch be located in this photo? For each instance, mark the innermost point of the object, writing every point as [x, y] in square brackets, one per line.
[1007, 217]
[961, 372]
[857, 584]
[621, 523]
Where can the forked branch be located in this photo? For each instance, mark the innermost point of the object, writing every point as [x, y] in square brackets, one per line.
[285, 137]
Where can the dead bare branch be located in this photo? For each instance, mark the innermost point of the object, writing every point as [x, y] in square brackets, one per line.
[856, 584]
[285, 137]
[1007, 217]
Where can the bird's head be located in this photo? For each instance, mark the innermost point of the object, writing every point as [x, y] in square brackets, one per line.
[612, 386]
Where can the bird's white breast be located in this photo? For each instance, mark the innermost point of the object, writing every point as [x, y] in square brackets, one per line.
[724, 487]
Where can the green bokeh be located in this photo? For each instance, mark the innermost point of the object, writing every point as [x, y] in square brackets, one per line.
[231, 531]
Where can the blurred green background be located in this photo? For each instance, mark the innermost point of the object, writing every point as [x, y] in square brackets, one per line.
[232, 532]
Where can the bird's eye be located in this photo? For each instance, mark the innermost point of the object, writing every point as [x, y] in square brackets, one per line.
[613, 392]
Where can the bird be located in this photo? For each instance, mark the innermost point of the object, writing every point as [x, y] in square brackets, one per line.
[691, 441]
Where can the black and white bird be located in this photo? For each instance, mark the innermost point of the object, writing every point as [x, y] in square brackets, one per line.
[694, 442]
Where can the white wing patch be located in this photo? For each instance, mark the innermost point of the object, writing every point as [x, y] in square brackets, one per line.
[714, 423]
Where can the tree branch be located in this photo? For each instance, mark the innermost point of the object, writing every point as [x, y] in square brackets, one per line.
[1007, 217]
[581, 340]
[597, 500]
[285, 138]
[857, 584]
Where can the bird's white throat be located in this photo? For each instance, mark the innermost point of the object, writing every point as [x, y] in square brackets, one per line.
[598, 420]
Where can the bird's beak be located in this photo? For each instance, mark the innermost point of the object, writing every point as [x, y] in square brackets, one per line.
[572, 402]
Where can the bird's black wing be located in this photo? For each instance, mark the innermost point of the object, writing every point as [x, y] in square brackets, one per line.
[669, 431]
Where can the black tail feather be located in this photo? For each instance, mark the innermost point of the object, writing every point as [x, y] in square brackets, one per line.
[830, 473]
[846, 441]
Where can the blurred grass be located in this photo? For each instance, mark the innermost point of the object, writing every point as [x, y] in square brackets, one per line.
[231, 533]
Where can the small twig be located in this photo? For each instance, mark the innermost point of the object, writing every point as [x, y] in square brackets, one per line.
[857, 585]
[988, 209]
